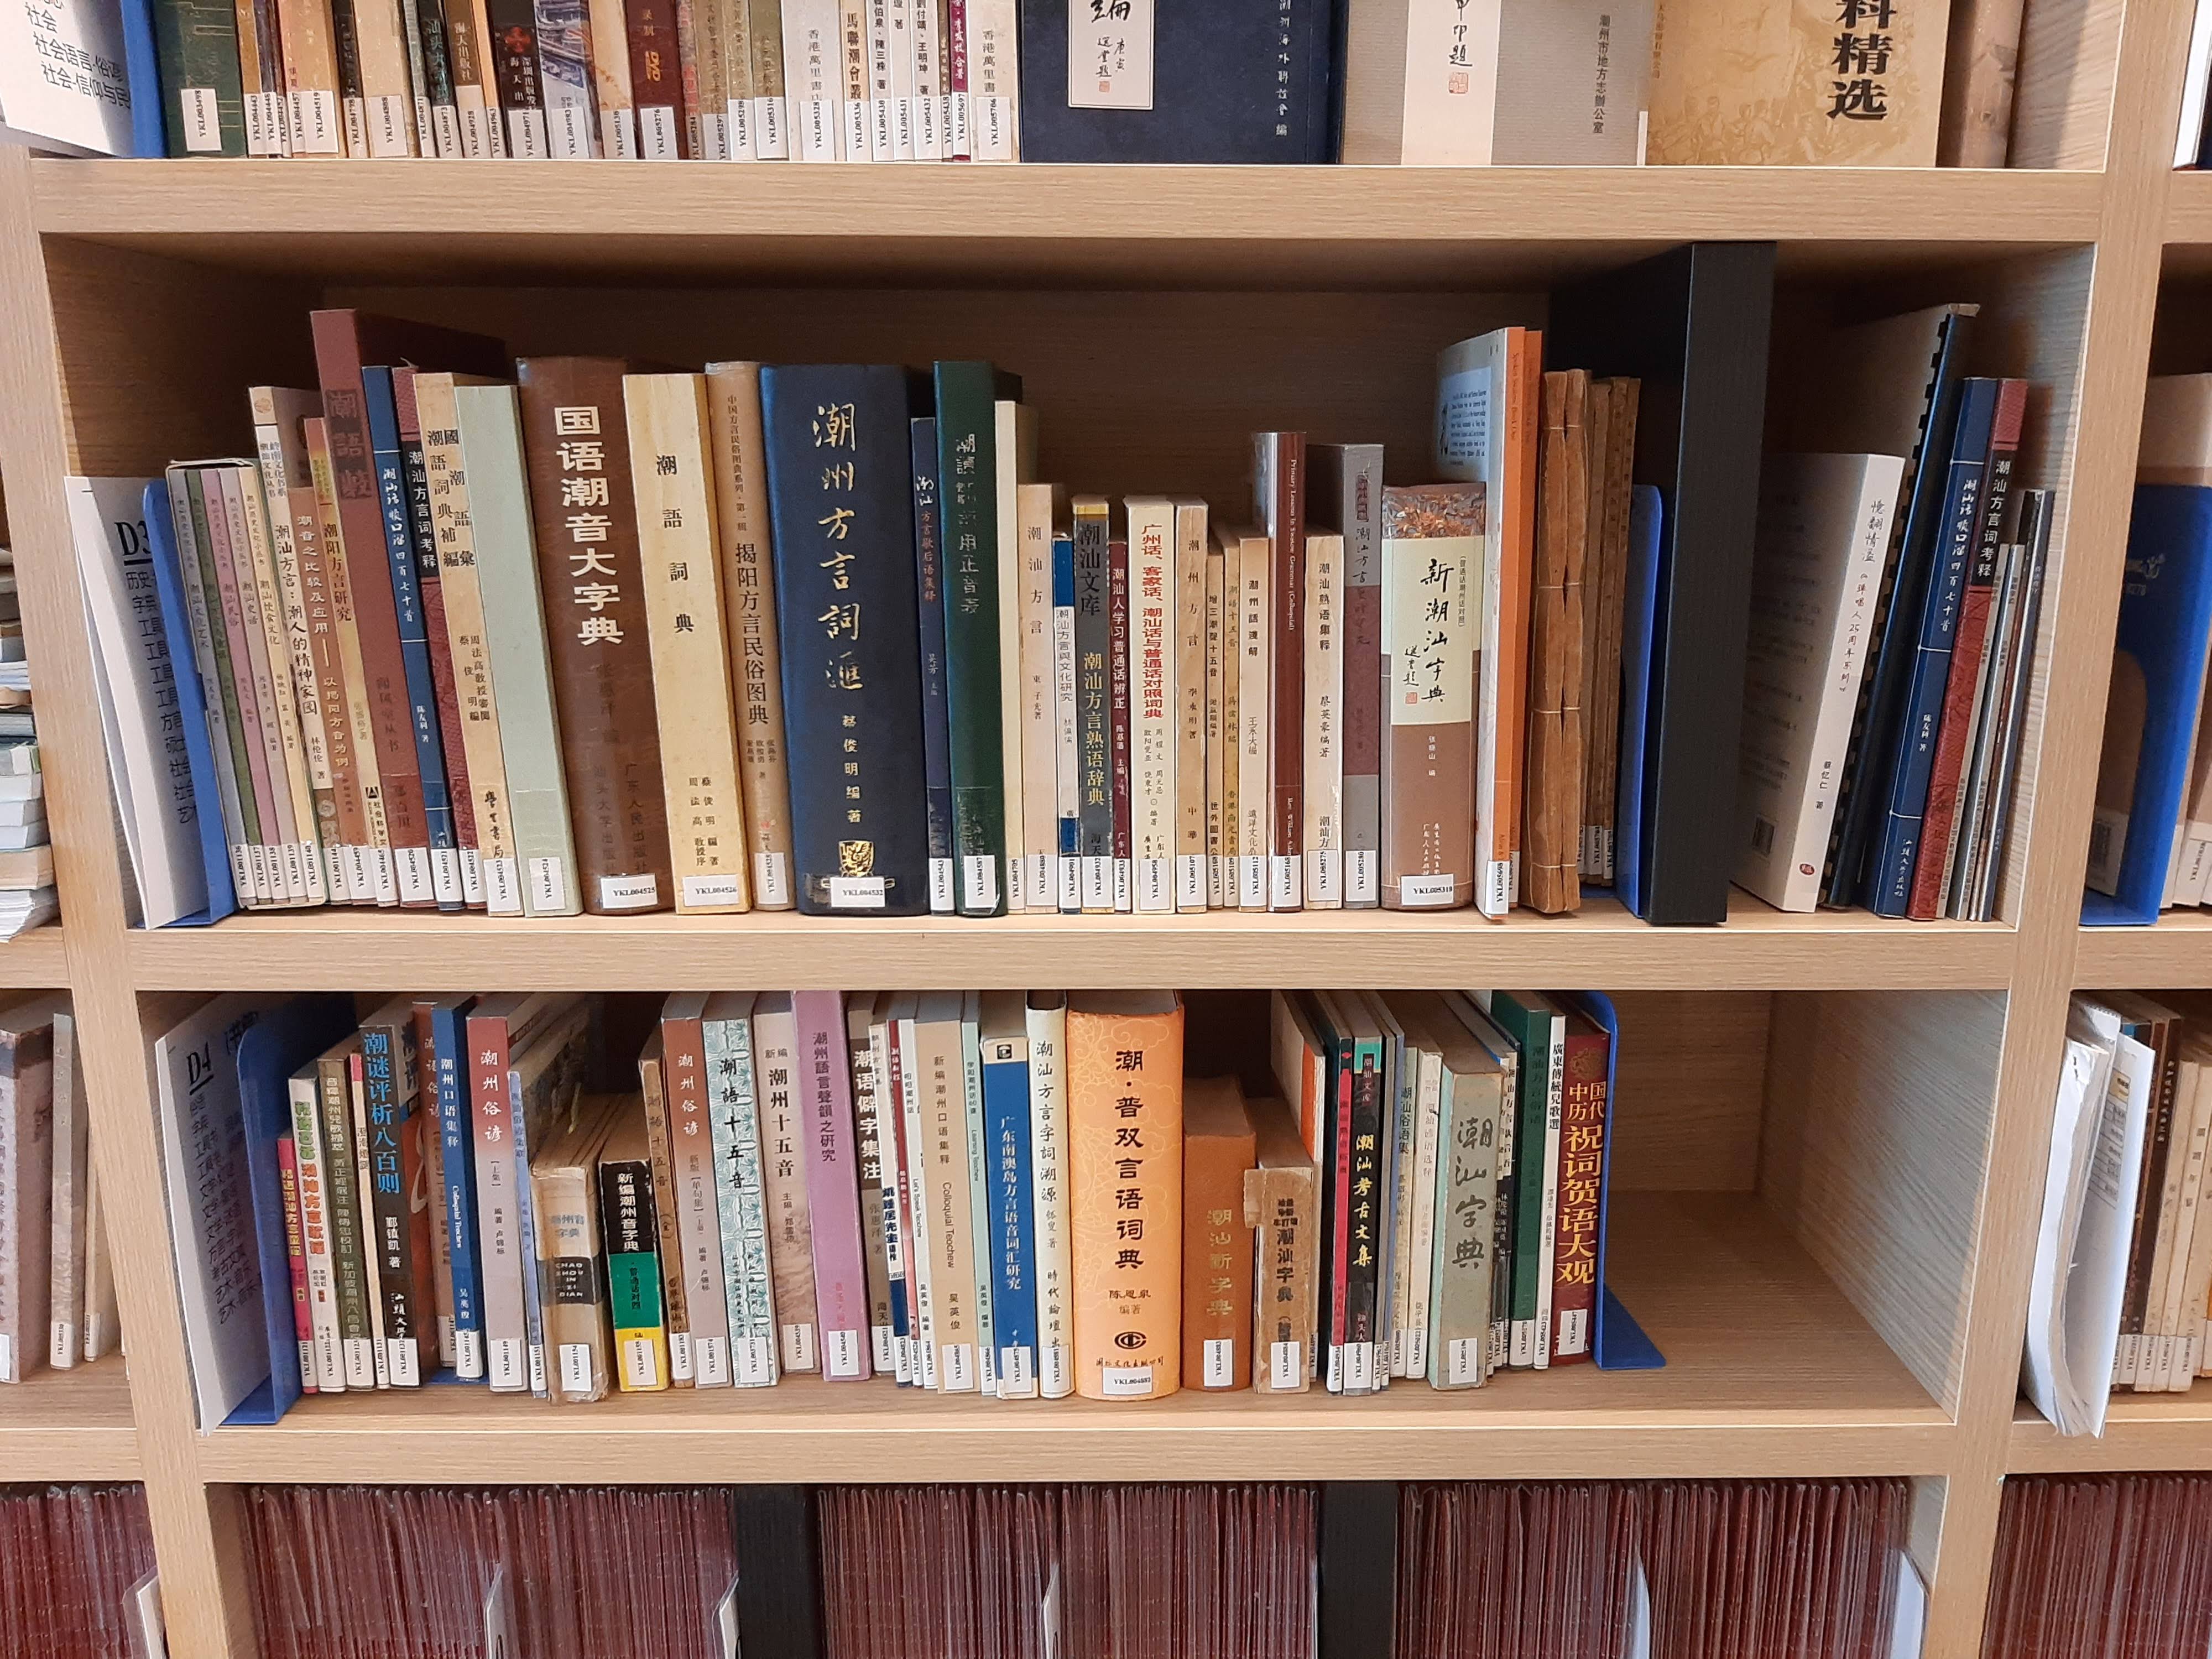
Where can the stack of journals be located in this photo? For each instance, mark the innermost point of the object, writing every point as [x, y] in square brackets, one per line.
[80, 1574]
[2088, 1565]
[27, 860]
[745, 1200]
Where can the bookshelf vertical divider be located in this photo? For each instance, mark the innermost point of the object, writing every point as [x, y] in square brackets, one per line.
[141, 249]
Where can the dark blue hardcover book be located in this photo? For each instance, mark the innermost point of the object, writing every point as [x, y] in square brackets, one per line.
[936, 698]
[1889, 877]
[383, 415]
[280, 1041]
[1639, 627]
[841, 502]
[457, 1135]
[142, 68]
[191, 710]
[1012, 1220]
[1232, 81]
[2158, 677]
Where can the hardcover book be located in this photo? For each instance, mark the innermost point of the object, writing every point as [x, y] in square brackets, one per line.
[936, 695]
[823, 1085]
[1219, 1155]
[1282, 1206]
[1433, 540]
[1345, 485]
[785, 1131]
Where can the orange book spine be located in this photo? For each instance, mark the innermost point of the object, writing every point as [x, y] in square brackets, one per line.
[1517, 523]
[1125, 1169]
[1218, 1151]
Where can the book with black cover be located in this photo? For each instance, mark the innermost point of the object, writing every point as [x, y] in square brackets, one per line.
[840, 499]
[1232, 81]
[1692, 325]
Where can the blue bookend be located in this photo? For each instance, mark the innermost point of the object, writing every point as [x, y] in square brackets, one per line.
[142, 68]
[191, 709]
[277, 1045]
[1618, 1343]
[2157, 677]
[1639, 627]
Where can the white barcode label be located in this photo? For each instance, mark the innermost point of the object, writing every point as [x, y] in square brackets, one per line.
[1463, 1358]
[473, 882]
[883, 1347]
[477, 122]
[60, 1350]
[630, 892]
[383, 875]
[412, 866]
[979, 881]
[507, 1373]
[525, 134]
[741, 130]
[1121, 883]
[503, 887]
[1359, 1367]
[360, 1362]
[754, 1359]
[986, 1366]
[1417, 1354]
[714, 136]
[902, 1358]
[549, 884]
[640, 1365]
[1016, 1374]
[1071, 884]
[1058, 1378]
[710, 1361]
[1417, 893]
[771, 141]
[537, 1369]
[940, 885]
[856, 892]
[1220, 1362]
[701, 892]
[798, 1347]
[1285, 882]
[445, 874]
[1361, 884]
[575, 1368]
[771, 879]
[1098, 876]
[1125, 1382]
[1155, 888]
[468, 1355]
[315, 129]
[1574, 1331]
[6, 1358]
[1042, 888]
[1190, 881]
[956, 1365]
[843, 1355]
[1251, 882]
[1286, 1364]
[658, 138]
[203, 121]
[402, 1359]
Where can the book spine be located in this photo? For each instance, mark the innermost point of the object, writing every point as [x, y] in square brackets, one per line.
[371, 1232]
[1189, 622]
[898, 1227]
[656, 81]
[1125, 1073]
[1220, 728]
[772, 112]
[366, 849]
[247, 676]
[1014, 434]
[949, 1201]
[1093, 582]
[210, 652]
[1155, 706]
[675, 1302]
[1547, 1186]
[459, 623]
[388, 1071]
[327, 1368]
[980, 1206]
[1067, 725]
[1464, 1261]
[342, 1193]
[476, 80]
[1583, 1117]
[589, 579]
[246, 509]
[632, 1225]
[65, 1251]
[929, 99]
[1430, 540]
[521, 119]
[959, 112]
[1359, 501]
[613, 38]
[564, 79]
[420, 688]
[296, 1258]
[1254, 577]
[711, 1262]
[438, 78]
[260, 72]
[755, 1350]
[915, 1189]
[699, 34]
[852, 79]
[823, 1085]
[574, 1304]
[1931, 864]
[1217, 1262]
[1279, 483]
[507, 1253]
[1052, 1270]
[422, 542]
[736, 21]
[387, 81]
[741, 526]
[2034, 550]
[449, 1075]
[310, 78]
[1980, 789]
[1119, 735]
[1037, 731]
[813, 74]
[705, 798]
[936, 697]
[883, 142]
[1321, 825]
[1552, 821]
[1011, 1214]
[975, 697]
[787, 1129]
[872, 1131]
[1366, 1362]
[197, 41]
[993, 67]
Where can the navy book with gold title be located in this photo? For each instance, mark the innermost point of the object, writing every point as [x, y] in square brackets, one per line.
[842, 503]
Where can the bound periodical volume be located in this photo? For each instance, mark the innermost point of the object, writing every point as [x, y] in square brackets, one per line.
[733, 1191]
[80, 1576]
[2089, 1565]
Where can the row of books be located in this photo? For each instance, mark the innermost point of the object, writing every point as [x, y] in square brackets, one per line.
[27, 859]
[2150, 840]
[78, 1574]
[57, 1276]
[2123, 1287]
[1243, 81]
[812, 635]
[1425, 1202]
[2092, 1565]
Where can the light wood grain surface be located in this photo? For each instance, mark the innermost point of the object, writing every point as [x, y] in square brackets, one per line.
[69, 1425]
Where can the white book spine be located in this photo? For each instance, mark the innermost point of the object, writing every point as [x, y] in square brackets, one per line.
[1253, 706]
[1068, 772]
[883, 142]
[1428, 1152]
[922, 1317]
[929, 100]
[1014, 445]
[1152, 703]
[993, 81]
[1037, 733]
[1055, 1265]
[812, 77]
[1323, 824]
[749, 1293]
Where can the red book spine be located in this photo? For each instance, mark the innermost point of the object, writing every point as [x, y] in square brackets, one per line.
[656, 79]
[1582, 1194]
[1966, 652]
[1285, 477]
[295, 1253]
[1117, 614]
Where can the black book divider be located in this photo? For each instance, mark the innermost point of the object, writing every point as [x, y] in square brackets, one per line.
[1359, 1558]
[779, 1581]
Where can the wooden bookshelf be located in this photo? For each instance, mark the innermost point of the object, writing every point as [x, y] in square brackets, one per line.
[1836, 1158]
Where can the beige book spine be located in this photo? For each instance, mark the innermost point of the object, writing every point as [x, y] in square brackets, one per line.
[1036, 506]
[475, 79]
[387, 93]
[261, 135]
[477, 697]
[948, 1223]
[611, 92]
[311, 78]
[1322, 825]
[1254, 607]
[1014, 436]
[369, 873]
[783, 1180]
[1154, 715]
[303, 854]
[738, 80]
[741, 528]
[1193, 662]
[1550, 859]
[1228, 736]
[579, 1346]
[690, 658]
[2194, 1273]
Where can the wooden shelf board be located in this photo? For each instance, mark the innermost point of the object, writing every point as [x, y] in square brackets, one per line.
[1759, 948]
[2142, 1431]
[35, 960]
[1225, 228]
[1770, 1371]
[2176, 954]
[2189, 222]
[69, 1425]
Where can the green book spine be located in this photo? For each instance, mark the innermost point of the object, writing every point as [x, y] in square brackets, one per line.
[342, 1191]
[197, 44]
[968, 510]
[1530, 1024]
